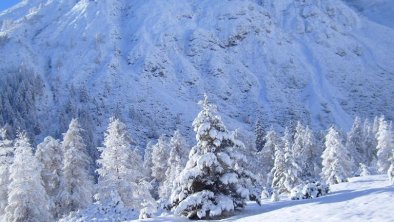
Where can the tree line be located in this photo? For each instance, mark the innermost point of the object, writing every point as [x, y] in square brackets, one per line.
[217, 176]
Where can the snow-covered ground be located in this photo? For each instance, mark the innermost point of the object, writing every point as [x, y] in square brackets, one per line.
[367, 198]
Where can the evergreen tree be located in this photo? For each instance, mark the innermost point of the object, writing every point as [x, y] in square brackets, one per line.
[76, 182]
[260, 135]
[337, 164]
[6, 158]
[148, 164]
[120, 166]
[176, 163]
[385, 137]
[214, 182]
[375, 125]
[313, 166]
[306, 152]
[285, 171]
[266, 155]
[142, 195]
[50, 155]
[278, 170]
[355, 143]
[370, 143]
[27, 199]
[390, 171]
[160, 155]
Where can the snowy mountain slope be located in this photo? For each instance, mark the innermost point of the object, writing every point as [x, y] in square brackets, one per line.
[362, 199]
[150, 61]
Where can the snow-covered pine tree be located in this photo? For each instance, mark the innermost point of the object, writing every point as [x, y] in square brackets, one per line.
[285, 173]
[306, 152]
[300, 150]
[337, 163]
[148, 164]
[370, 143]
[375, 124]
[214, 182]
[385, 137]
[176, 163]
[142, 195]
[314, 152]
[6, 158]
[291, 169]
[277, 171]
[160, 155]
[76, 181]
[120, 168]
[266, 155]
[260, 135]
[50, 155]
[27, 198]
[390, 171]
[355, 144]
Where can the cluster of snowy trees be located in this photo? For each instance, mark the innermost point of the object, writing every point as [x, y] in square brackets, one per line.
[210, 180]
[299, 156]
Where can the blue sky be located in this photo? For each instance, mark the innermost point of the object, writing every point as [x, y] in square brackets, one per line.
[7, 3]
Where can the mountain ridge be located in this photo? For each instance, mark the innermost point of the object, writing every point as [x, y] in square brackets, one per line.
[149, 62]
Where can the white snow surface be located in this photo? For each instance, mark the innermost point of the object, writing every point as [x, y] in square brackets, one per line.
[368, 198]
[150, 61]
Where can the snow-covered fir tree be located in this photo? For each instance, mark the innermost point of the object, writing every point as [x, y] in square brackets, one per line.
[76, 182]
[306, 152]
[298, 146]
[266, 155]
[214, 182]
[250, 153]
[385, 146]
[142, 195]
[337, 163]
[286, 172]
[292, 171]
[148, 164]
[160, 155]
[355, 143]
[315, 150]
[27, 198]
[50, 155]
[176, 163]
[390, 171]
[370, 143]
[375, 124]
[260, 135]
[277, 171]
[6, 158]
[121, 170]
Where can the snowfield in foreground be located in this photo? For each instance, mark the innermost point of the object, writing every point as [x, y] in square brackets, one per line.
[362, 199]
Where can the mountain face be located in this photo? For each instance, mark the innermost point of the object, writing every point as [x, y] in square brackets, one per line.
[149, 62]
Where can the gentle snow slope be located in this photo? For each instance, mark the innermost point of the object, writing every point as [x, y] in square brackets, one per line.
[362, 199]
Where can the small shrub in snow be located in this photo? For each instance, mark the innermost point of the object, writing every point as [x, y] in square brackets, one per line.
[266, 193]
[110, 210]
[275, 196]
[390, 174]
[364, 170]
[309, 191]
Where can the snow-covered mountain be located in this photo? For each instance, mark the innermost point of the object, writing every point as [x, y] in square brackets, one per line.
[150, 61]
